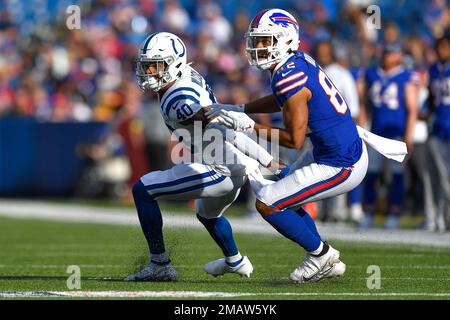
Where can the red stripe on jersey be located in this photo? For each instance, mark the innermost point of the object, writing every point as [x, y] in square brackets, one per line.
[290, 78]
[292, 86]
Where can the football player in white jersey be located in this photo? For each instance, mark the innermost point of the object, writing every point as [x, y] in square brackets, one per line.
[161, 67]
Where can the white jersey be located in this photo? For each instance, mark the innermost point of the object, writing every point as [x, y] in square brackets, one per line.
[183, 100]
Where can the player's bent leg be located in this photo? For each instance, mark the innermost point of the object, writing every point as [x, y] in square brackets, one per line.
[159, 267]
[184, 181]
[320, 259]
[209, 213]
[310, 183]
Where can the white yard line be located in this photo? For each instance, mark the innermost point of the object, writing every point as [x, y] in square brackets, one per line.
[30, 209]
[191, 266]
[204, 294]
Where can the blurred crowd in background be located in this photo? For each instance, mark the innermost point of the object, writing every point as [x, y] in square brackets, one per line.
[55, 74]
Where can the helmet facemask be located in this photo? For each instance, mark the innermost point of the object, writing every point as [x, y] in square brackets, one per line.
[152, 74]
[263, 49]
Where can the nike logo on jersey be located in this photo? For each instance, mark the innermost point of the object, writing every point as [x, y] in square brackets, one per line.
[285, 74]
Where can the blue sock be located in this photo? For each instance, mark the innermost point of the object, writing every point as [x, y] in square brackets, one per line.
[150, 218]
[220, 230]
[292, 226]
[309, 221]
[234, 264]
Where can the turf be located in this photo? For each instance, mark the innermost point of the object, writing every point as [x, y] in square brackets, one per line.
[34, 256]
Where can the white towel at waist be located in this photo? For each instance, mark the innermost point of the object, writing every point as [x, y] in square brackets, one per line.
[392, 149]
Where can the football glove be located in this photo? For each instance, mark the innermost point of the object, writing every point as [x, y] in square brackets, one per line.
[237, 121]
[282, 172]
[214, 109]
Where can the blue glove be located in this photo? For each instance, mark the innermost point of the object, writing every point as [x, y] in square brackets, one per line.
[283, 172]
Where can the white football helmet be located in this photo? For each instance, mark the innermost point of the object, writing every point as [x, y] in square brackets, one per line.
[276, 32]
[166, 53]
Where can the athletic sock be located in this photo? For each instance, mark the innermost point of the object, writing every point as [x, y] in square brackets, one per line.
[292, 226]
[220, 230]
[308, 220]
[323, 248]
[150, 218]
[160, 259]
[235, 260]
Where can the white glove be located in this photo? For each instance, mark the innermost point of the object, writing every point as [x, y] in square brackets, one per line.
[217, 107]
[237, 121]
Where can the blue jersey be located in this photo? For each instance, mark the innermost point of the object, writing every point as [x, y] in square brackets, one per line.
[440, 88]
[387, 100]
[332, 132]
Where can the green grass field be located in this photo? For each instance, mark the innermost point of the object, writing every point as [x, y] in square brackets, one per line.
[34, 256]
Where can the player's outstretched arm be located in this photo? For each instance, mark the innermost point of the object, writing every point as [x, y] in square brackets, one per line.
[240, 140]
[266, 104]
[295, 116]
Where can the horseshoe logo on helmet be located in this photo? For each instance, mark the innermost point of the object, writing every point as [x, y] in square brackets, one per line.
[175, 49]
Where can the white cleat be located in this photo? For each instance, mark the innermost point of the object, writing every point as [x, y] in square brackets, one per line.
[219, 267]
[154, 272]
[313, 269]
[337, 270]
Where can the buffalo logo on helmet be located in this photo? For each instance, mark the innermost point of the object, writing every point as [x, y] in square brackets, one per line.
[282, 20]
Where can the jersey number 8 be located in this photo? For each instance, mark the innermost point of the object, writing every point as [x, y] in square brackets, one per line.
[331, 91]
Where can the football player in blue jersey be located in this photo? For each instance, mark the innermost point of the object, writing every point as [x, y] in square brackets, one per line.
[439, 140]
[392, 101]
[311, 105]
[161, 67]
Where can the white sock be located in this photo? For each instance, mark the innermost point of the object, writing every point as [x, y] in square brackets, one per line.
[318, 250]
[162, 257]
[234, 258]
